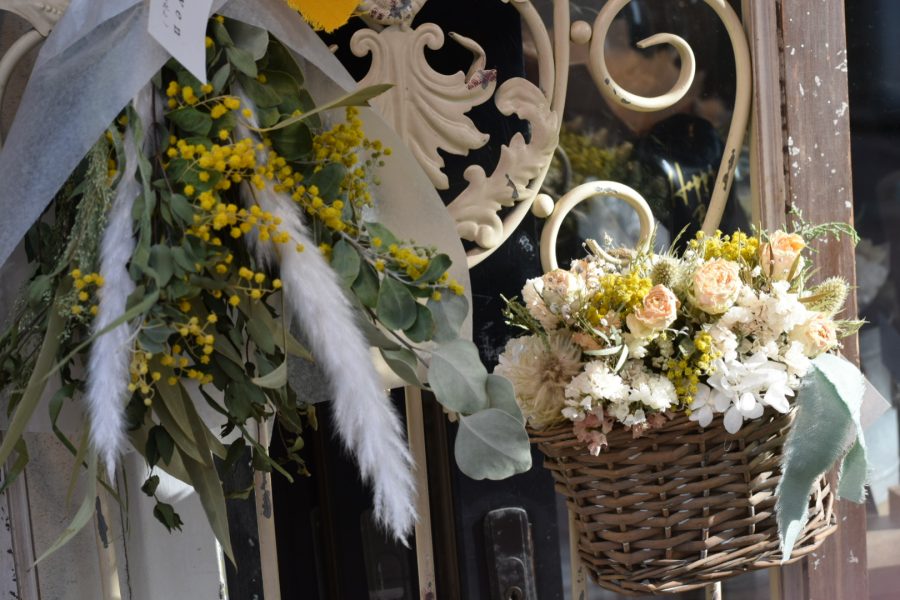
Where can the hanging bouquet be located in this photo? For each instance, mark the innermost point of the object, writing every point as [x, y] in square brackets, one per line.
[212, 233]
[723, 335]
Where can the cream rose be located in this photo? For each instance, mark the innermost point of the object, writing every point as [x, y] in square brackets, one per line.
[716, 286]
[659, 310]
[817, 335]
[778, 256]
[561, 288]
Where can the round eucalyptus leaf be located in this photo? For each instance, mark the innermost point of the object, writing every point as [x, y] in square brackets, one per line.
[492, 444]
[458, 378]
[396, 306]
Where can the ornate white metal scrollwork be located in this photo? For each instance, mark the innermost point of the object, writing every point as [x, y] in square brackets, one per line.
[514, 183]
[428, 109]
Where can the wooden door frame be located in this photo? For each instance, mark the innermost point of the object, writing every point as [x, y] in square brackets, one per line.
[800, 145]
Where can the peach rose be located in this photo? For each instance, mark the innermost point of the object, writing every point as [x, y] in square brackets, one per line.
[716, 286]
[778, 256]
[658, 312]
[817, 335]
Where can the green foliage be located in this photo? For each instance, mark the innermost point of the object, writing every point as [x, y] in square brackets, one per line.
[458, 378]
[492, 444]
[828, 415]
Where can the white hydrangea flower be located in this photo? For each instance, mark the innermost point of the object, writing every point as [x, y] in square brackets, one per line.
[798, 363]
[653, 390]
[742, 389]
[782, 310]
[724, 342]
[594, 386]
[702, 408]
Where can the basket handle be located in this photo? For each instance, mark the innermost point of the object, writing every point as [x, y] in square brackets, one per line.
[581, 193]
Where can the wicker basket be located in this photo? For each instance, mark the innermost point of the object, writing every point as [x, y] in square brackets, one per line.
[680, 507]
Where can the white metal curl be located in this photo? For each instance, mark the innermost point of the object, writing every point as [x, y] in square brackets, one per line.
[578, 195]
[613, 92]
[616, 93]
[15, 53]
[553, 79]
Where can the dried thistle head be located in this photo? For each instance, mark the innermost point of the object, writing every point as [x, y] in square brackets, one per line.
[667, 271]
[828, 297]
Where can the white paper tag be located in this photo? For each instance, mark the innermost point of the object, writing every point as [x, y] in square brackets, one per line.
[180, 27]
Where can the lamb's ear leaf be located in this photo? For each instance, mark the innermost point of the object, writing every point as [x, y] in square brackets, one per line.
[828, 409]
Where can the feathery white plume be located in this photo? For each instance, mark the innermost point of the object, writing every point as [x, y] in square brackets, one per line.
[367, 423]
[108, 367]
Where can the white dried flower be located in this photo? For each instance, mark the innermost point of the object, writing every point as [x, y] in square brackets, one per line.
[539, 371]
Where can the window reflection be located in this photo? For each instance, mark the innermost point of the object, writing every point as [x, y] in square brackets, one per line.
[874, 77]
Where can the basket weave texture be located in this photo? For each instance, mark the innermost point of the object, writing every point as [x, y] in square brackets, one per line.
[681, 506]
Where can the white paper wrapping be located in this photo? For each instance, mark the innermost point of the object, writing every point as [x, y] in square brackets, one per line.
[92, 64]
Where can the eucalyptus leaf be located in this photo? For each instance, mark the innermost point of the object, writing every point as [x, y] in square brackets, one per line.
[242, 60]
[345, 261]
[366, 285]
[162, 263]
[377, 230]
[492, 444]
[275, 379]
[396, 306]
[220, 78]
[375, 336]
[437, 267]
[502, 396]
[180, 257]
[261, 335]
[262, 95]
[254, 40]
[220, 33]
[449, 314]
[328, 180]
[192, 121]
[458, 378]
[423, 328]
[404, 363]
[38, 290]
[294, 142]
